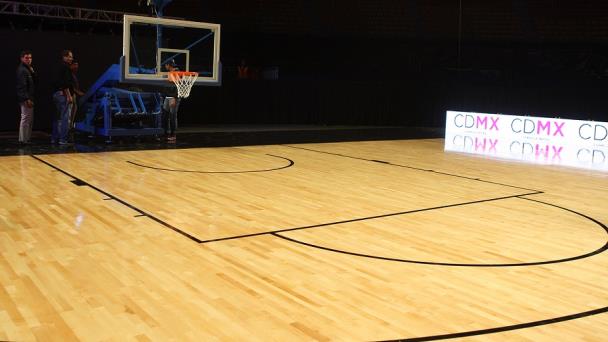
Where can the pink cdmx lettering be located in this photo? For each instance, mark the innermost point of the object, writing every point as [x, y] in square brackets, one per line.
[538, 150]
[483, 120]
[478, 145]
[477, 121]
[540, 127]
[482, 145]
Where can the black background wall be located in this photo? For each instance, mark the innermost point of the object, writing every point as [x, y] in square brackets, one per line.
[95, 52]
[382, 62]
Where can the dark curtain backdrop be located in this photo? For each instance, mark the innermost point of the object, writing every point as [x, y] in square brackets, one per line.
[331, 78]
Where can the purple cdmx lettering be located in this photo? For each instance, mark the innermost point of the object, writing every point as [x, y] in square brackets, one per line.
[476, 121]
[539, 126]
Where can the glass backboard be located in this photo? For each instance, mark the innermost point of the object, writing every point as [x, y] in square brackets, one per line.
[149, 43]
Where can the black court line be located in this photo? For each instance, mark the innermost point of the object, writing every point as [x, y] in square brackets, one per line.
[411, 167]
[78, 182]
[112, 197]
[366, 218]
[505, 328]
[566, 209]
[290, 164]
[536, 263]
[197, 240]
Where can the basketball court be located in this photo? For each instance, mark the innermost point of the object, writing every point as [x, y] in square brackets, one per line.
[379, 240]
[345, 241]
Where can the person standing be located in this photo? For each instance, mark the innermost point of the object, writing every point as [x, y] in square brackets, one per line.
[26, 87]
[63, 83]
[170, 107]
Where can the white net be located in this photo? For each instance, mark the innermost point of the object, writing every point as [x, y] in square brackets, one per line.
[183, 81]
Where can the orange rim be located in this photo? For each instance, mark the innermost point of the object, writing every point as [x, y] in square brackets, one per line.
[179, 74]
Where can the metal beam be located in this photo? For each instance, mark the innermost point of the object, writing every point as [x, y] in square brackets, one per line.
[60, 12]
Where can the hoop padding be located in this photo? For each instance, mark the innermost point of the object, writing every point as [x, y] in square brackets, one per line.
[184, 80]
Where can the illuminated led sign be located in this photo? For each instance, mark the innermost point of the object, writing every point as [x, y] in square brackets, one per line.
[582, 144]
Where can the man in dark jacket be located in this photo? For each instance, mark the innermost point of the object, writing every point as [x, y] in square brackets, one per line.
[26, 81]
[63, 84]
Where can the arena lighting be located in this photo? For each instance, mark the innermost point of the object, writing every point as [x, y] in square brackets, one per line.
[550, 141]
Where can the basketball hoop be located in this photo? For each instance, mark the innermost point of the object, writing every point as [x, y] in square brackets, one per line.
[184, 80]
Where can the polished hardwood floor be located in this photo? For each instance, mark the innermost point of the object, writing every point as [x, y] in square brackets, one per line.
[377, 240]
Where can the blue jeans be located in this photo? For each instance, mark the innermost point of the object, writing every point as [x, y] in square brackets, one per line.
[62, 117]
